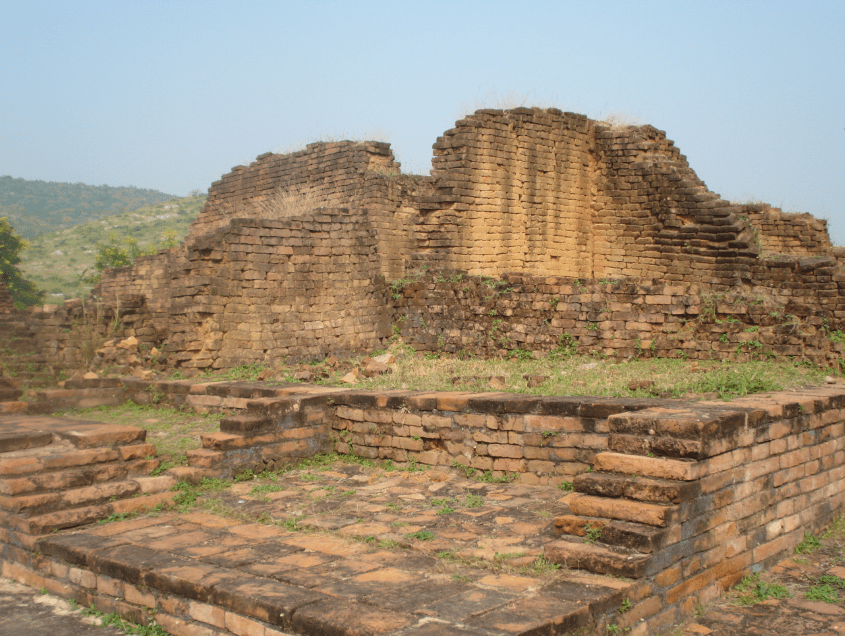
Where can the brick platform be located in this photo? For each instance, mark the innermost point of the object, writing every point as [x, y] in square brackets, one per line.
[333, 575]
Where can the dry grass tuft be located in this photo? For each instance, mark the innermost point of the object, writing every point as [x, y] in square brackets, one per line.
[291, 201]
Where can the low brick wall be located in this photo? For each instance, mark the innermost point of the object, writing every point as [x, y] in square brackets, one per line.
[537, 440]
[454, 313]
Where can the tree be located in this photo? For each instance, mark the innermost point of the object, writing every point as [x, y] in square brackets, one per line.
[24, 293]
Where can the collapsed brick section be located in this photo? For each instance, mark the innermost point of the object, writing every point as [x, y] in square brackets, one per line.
[254, 291]
[783, 233]
[337, 174]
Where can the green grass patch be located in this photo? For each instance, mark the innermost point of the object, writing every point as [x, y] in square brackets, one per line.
[808, 545]
[825, 592]
[589, 375]
[751, 590]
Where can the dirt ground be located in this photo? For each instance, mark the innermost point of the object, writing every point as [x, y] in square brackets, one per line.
[27, 612]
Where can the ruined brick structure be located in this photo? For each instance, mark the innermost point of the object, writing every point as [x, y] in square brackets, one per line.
[537, 230]
[544, 199]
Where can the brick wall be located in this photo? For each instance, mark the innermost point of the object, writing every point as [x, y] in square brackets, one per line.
[542, 192]
[619, 318]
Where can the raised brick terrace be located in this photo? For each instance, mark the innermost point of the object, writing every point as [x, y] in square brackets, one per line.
[680, 498]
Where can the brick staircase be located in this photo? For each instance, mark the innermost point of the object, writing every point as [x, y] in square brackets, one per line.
[628, 512]
[271, 431]
[57, 474]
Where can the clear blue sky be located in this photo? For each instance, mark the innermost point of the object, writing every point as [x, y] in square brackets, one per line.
[170, 95]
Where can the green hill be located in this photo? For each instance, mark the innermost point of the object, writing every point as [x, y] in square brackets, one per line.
[57, 261]
[36, 207]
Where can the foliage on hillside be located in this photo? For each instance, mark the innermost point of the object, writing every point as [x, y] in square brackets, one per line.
[23, 292]
[36, 207]
[64, 263]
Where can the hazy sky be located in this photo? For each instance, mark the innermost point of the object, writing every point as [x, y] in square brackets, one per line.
[171, 95]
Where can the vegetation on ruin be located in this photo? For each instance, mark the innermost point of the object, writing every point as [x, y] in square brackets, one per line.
[556, 374]
[65, 262]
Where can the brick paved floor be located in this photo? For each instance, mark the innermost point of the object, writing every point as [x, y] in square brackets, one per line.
[412, 552]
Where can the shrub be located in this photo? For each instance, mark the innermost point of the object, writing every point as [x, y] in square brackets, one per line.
[23, 292]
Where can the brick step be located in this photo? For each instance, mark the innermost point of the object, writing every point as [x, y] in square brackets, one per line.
[15, 440]
[650, 489]
[220, 441]
[650, 445]
[597, 558]
[43, 503]
[652, 514]
[153, 485]
[626, 534]
[205, 458]
[62, 455]
[240, 424]
[96, 434]
[660, 467]
[94, 383]
[9, 408]
[45, 482]
[193, 475]
[682, 432]
[74, 517]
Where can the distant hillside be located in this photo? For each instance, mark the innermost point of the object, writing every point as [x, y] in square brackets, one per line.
[36, 207]
[56, 261]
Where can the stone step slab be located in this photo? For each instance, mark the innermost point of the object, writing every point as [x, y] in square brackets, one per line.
[596, 558]
[659, 467]
[623, 509]
[650, 489]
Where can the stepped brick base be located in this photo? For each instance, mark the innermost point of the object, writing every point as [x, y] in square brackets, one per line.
[57, 473]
